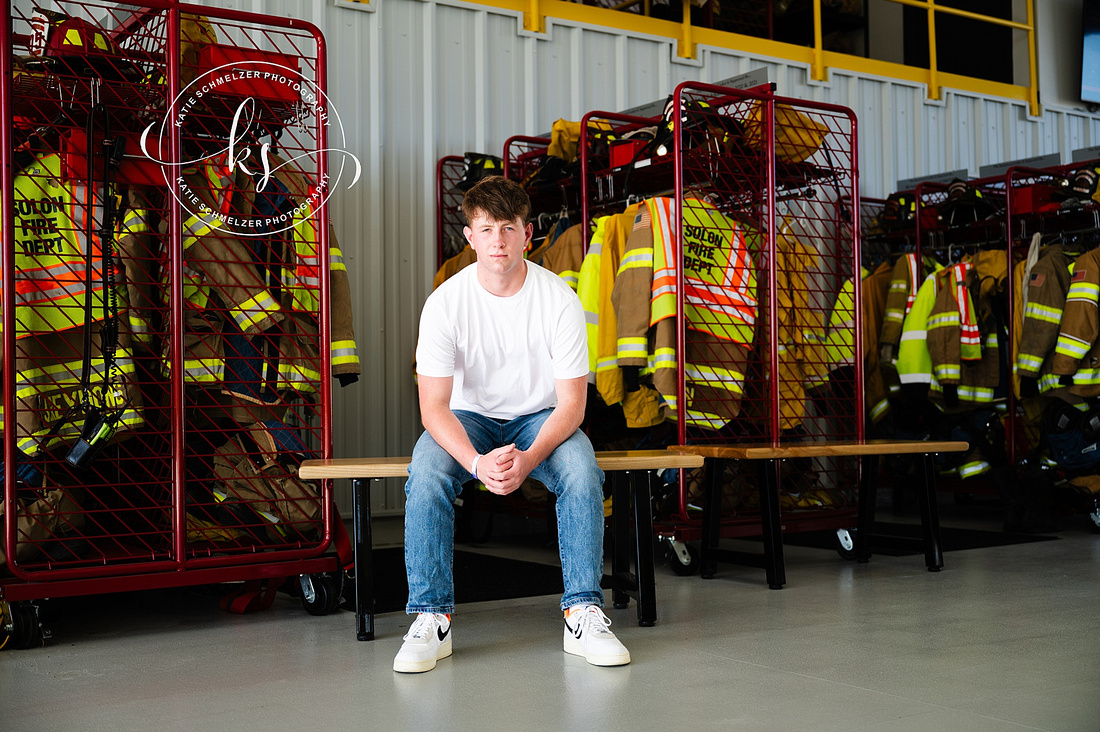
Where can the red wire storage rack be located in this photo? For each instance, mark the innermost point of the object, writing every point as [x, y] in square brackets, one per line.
[448, 208]
[171, 315]
[765, 352]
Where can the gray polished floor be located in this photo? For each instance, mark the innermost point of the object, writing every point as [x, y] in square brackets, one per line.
[1004, 638]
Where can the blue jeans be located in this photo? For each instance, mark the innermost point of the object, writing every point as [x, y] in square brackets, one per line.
[436, 478]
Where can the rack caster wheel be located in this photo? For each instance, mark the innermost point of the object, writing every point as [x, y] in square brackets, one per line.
[20, 627]
[846, 543]
[683, 558]
[321, 593]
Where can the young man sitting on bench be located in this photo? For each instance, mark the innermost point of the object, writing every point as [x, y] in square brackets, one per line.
[502, 370]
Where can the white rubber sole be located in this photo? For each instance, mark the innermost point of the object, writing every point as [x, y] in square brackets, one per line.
[414, 666]
[574, 647]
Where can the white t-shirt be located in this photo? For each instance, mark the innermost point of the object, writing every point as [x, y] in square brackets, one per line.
[503, 352]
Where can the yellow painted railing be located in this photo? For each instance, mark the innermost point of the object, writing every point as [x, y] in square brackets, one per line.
[820, 60]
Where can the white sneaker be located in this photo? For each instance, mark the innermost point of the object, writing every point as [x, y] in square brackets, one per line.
[586, 634]
[428, 640]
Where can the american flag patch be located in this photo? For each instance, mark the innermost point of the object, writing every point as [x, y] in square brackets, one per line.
[1078, 276]
[1037, 279]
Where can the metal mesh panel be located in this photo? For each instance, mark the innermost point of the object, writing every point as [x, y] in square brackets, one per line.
[750, 281]
[449, 208]
[768, 282]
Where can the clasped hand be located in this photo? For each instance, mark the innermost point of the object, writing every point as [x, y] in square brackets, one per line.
[504, 469]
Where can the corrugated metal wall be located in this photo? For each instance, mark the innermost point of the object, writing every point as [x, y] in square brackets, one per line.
[415, 80]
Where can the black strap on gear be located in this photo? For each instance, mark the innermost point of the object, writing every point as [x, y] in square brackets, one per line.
[99, 423]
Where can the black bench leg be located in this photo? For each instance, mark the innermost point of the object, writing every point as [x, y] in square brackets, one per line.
[868, 495]
[930, 516]
[770, 525]
[620, 541]
[364, 561]
[643, 546]
[713, 471]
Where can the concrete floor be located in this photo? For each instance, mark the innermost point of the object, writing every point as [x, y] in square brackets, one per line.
[1005, 638]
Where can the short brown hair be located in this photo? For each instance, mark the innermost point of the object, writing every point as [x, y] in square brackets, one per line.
[498, 198]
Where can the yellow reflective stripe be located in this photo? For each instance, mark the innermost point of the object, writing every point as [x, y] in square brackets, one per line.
[1087, 376]
[298, 377]
[134, 222]
[203, 370]
[633, 348]
[344, 352]
[705, 419]
[336, 260]
[1048, 382]
[943, 320]
[31, 382]
[196, 227]
[636, 258]
[571, 277]
[879, 410]
[254, 310]
[1043, 312]
[714, 377]
[607, 363]
[1029, 362]
[1086, 291]
[945, 372]
[130, 419]
[975, 393]
[971, 469]
[1073, 347]
[662, 358]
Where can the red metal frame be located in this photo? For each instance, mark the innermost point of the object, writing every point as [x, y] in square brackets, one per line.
[523, 155]
[753, 186]
[134, 501]
[448, 202]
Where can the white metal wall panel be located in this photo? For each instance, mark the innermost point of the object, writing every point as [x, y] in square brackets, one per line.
[415, 80]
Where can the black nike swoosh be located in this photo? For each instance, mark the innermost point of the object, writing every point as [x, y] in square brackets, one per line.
[442, 633]
[576, 632]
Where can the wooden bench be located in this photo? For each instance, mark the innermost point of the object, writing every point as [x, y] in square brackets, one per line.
[867, 451]
[639, 585]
